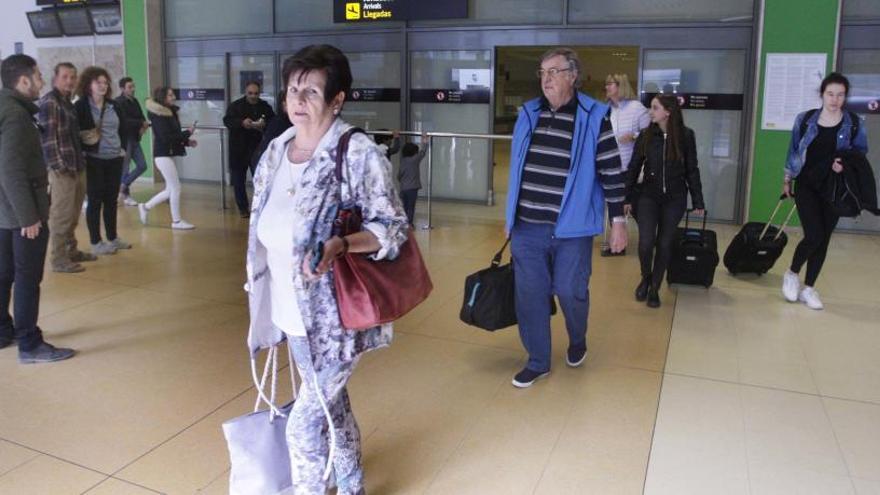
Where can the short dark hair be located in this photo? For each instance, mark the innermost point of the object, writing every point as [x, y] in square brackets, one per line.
[14, 67]
[63, 65]
[160, 93]
[89, 74]
[125, 80]
[835, 78]
[325, 58]
[254, 82]
[409, 149]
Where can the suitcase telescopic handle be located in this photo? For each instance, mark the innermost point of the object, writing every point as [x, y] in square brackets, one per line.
[496, 260]
[687, 218]
[773, 215]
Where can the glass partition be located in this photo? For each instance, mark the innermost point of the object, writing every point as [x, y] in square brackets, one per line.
[598, 11]
[191, 18]
[451, 93]
[712, 82]
[862, 67]
[201, 86]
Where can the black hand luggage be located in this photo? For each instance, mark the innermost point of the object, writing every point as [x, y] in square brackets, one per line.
[758, 245]
[694, 256]
[490, 296]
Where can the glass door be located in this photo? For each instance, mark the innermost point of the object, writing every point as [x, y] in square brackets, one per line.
[200, 83]
[450, 92]
[862, 67]
[710, 85]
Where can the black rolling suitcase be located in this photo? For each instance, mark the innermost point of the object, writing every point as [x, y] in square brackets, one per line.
[758, 245]
[694, 256]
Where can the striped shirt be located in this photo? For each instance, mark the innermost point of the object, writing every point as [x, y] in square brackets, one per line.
[548, 162]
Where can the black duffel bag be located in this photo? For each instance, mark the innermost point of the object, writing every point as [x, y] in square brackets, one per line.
[490, 296]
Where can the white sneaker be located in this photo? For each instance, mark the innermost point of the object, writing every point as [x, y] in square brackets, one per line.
[182, 225]
[129, 201]
[810, 297]
[142, 211]
[791, 286]
[103, 248]
[118, 243]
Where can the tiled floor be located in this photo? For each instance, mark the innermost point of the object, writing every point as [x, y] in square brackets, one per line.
[728, 390]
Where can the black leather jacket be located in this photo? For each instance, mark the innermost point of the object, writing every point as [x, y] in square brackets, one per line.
[664, 179]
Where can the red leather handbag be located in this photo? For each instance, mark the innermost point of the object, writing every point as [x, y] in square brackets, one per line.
[369, 292]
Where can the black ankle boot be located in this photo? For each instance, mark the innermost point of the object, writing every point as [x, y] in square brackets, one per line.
[653, 297]
[642, 289]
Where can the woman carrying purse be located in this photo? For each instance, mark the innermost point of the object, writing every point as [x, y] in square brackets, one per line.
[292, 295]
[104, 148]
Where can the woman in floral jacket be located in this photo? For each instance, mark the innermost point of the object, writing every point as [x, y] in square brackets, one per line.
[295, 197]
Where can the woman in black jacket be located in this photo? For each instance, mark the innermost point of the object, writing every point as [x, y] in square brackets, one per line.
[169, 140]
[662, 172]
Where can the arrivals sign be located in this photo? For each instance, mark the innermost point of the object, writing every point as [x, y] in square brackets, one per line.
[356, 11]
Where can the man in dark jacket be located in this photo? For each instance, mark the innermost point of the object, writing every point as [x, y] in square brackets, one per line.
[67, 174]
[133, 125]
[24, 211]
[246, 119]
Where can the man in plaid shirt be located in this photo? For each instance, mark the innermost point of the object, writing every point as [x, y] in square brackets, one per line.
[66, 163]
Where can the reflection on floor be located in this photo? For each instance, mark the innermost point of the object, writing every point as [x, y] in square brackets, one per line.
[728, 390]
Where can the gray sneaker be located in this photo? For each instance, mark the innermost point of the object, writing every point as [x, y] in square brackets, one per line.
[118, 243]
[68, 267]
[103, 248]
[44, 353]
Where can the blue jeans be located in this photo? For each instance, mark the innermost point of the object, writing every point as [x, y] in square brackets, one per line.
[133, 152]
[545, 266]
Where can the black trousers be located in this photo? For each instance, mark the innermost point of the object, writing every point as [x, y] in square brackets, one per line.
[102, 188]
[657, 226]
[21, 269]
[238, 176]
[818, 222]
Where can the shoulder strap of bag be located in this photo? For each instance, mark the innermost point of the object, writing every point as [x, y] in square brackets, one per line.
[854, 130]
[807, 117]
[342, 149]
[341, 152]
[496, 260]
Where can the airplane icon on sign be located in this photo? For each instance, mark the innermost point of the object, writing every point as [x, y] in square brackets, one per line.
[352, 11]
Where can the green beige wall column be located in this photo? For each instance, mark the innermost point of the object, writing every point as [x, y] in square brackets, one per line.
[789, 26]
[134, 33]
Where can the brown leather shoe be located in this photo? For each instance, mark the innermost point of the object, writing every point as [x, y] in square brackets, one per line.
[79, 257]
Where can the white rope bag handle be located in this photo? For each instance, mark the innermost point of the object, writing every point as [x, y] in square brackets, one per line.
[260, 384]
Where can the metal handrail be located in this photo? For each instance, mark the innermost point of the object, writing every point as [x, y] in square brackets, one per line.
[430, 135]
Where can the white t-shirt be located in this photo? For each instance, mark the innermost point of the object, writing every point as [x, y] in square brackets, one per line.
[275, 232]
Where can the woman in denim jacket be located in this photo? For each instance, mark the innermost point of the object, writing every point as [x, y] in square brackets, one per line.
[817, 137]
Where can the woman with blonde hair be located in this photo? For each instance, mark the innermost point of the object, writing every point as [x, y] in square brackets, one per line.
[628, 118]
